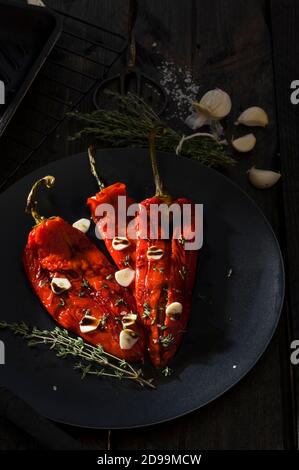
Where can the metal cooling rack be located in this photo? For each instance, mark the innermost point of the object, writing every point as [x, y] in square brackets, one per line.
[81, 58]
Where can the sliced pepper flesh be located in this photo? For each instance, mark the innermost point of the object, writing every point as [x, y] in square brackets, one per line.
[56, 249]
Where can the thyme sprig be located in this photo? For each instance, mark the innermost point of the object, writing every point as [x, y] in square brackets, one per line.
[134, 120]
[91, 356]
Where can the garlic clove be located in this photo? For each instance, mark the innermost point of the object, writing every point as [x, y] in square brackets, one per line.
[215, 104]
[88, 323]
[263, 179]
[154, 253]
[125, 277]
[245, 143]
[127, 339]
[197, 120]
[120, 243]
[174, 309]
[128, 320]
[60, 284]
[253, 117]
[82, 225]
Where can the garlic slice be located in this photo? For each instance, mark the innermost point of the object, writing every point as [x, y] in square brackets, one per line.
[215, 104]
[89, 323]
[174, 309]
[245, 143]
[127, 339]
[154, 253]
[128, 320]
[263, 179]
[60, 284]
[253, 117]
[125, 277]
[120, 243]
[82, 225]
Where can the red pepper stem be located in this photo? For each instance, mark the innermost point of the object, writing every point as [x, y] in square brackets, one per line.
[31, 206]
[92, 162]
[157, 131]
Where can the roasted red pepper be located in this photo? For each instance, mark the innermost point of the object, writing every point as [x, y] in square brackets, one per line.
[76, 284]
[165, 273]
[122, 249]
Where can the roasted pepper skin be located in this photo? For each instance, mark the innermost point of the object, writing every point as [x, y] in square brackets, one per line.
[109, 195]
[56, 249]
[160, 283]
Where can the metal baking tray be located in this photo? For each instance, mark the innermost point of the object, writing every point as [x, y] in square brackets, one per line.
[27, 36]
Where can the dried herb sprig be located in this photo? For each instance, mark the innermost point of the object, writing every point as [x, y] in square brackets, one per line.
[133, 121]
[92, 356]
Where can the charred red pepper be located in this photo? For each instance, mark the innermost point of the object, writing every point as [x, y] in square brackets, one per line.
[122, 249]
[165, 274]
[76, 284]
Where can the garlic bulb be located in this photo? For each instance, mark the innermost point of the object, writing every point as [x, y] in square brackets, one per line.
[263, 179]
[245, 143]
[253, 117]
[215, 104]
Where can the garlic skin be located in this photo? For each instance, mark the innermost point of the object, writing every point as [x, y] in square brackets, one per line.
[244, 144]
[253, 117]
[197, 120]
[263, 179]
[125, 277]
[82, 225]
[215, 104]
[127, 339]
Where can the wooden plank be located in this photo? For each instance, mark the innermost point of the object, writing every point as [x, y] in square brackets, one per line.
[232, 49]
[285, 20]
[227, 44]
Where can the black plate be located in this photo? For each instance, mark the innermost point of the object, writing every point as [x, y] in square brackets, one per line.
[27, 36]
[232, 321]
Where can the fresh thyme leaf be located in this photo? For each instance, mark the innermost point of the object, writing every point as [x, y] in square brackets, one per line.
[105, 286]
[120, 302]
[81, 293]
[109, 277]
[182, 240]
[85, 283]
[91, 357]
[132, 121]
[160, 270]
[127, 261]
[183, 272]
[165, 341]
[61, 303]
[167, 371]
[147, 310]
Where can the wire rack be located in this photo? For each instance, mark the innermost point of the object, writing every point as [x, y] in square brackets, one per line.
[81, 58]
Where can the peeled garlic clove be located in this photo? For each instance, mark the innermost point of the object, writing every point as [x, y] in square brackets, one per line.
[245, 143]
[253, 117]
[174, 309]
[88, 324]
[120, 243]
[263, 179]
[154, 253]
[60, 284]
[125, 277]
[215, 104]
[82, 225]
[127, 339]
[197, 120]
[128, 320]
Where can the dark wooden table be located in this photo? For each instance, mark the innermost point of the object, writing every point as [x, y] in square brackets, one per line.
[249, 49]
